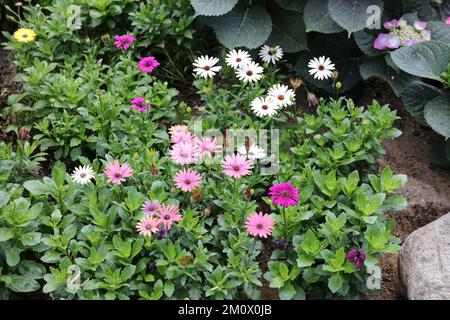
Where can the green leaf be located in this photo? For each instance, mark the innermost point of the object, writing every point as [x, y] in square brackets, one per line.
[36, 187]
[416, 96]
[352, 14]
[12, 256]
[212, 7]
[6, 234]
[293, 5]
[335, 282]
[242, 27]
[437, 115]
[287, 292]
[169, 288]
[318, 18]
[59, 173]
[439, 31]
[289, 38]
[284, 271]
[20, 283]
[428, 59]
[276, 282]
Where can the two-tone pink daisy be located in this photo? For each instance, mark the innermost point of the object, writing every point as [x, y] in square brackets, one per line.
[117, 173]
[208, 146]
[236, 166]
[148, 225]
[187, 180]
[184, 153]
[150, 207]
[259, 225]
[168, 214]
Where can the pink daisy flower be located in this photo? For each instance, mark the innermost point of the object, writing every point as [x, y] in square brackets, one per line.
[138, 104]
[148, 64]
[147, 225]
[184, 153]
[168, 214]
[124, 41]
[208, 146]
[259, 225]
[284, 194]
[150, 207]
[181, 137]
[236, 166]
[187, 180]
[178, 129]
[117, 173]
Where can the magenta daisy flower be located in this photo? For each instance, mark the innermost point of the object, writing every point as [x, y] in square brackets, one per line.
[168, 214]
[357, 257]
[284, 194]
[148, 225]
[184, 153]
[259, 225]
[148, 64]
[187, 180]
[150, 207]
[138, 104]
[117, 173]
[236, 166]
[208, 146]
[124, 41]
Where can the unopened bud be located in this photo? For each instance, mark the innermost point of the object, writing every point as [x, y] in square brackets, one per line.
[312, 100]
[23, 133]
[338, 85]
[335, 75]
[296, 83]
[188, 109]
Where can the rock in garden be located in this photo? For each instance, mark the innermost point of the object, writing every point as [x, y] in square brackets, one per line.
[424, 262]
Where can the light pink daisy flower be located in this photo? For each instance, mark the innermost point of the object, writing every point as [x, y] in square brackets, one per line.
[178, 129]
[284, 194]
[208, 146]
[124, 41]
[148, 64]
[184, 153]
[117, 173]
[236, 166]
[168, 214]
[150, 207]
[187, 180]
[138, 104]
[148, 225]
[181, 137]
[259, 225]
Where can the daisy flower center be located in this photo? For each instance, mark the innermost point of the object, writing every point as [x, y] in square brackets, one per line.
[148, 227]
[117, 175]
[259, 226]
[238, 60]
[25, 36]
[187, 181]
[285, 194]
[249, 73]
[280, 97]
[206, 68]
[82, 175]
[265, 107]
[236, 168]
[321, 68]
[167, 217]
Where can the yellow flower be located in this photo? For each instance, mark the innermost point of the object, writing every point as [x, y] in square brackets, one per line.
[24, 35]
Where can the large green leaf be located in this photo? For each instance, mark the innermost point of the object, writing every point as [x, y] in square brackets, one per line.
[318, 18]
[242, 27]
[437, 115]
[416, 96]
[352, 14]
[283, 34]
[212, 7]
[423, 8]
[439, 31]
[293, 5]
[365, 41]
[427, 59]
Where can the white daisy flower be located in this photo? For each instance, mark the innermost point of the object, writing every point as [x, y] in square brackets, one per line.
[206, 66]
[264, 107]
[253, 152]
[237, 59]
[271, 54]
[282, 95]
[321, 68]
[250, 72]
[83, 174]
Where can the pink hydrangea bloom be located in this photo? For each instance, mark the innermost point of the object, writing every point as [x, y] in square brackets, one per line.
[138, 104]
[124, 41]
[117, 173]
[384, 41]
[187, 180]
[147, 225]
[390, 24]
[447, 22]
[236, 166]
[259, 225]
[184, 153]
[168, 214]
[420, 25]
[150, 207]
[148, 64]
[284, 194]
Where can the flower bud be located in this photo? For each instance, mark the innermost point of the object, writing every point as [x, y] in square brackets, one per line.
[296, 83]
[312, 100]
[23, 133]
[335, 75]
[338, 85]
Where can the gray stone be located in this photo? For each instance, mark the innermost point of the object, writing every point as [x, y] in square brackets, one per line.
[424, 262]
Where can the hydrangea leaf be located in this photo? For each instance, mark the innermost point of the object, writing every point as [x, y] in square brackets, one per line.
[439, 31]
[283, 34]
[318, 18]
[242, 27]
[212, 7]
[437, 115]
[427, 59]
[352, 15]
[416, 96]
[293, 5]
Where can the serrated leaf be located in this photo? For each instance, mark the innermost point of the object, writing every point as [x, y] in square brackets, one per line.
[427, 59]
[242, 27]
[352, 14]
[439, 31]
[365, 41]
[212, 7]
[437, 115]
[318, 18]
[416, 96]
[288, 31]
[423, 8]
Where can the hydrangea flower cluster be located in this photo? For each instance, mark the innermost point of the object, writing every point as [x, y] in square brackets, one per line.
[401, 34]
